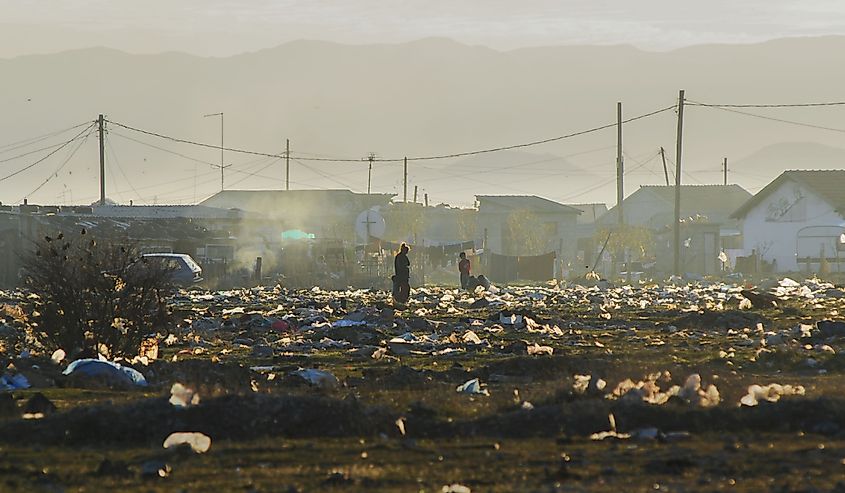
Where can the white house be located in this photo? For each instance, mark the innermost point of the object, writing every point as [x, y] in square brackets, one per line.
[653, 206]
[796, 221]
[495, 212]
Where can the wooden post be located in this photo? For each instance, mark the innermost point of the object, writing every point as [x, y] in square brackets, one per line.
[677, 262]
[101, 130]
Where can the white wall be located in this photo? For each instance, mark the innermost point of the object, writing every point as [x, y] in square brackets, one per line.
[777, 238]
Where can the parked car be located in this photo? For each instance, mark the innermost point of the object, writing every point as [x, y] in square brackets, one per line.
[184, 271]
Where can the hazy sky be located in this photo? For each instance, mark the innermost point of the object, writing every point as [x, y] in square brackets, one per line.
[225, 27]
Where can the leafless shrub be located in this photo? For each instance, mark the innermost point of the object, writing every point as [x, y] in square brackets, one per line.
[88, 296]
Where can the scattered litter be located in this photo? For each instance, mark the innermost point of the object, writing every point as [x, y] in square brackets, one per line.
[58, 356]
[587, 384]
[98, 373]
[455, 488]
[510, 319]
[149, 349]
[198, 442]
[181, 396]
[348, 323]
[612, 433]
[771, 393]
[318, 378]
[15, 381]
[473, 386]
[155, 469]
[400, 346]
[538, 350]
[471, 337]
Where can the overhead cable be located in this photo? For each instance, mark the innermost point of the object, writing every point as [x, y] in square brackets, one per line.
[396, 160]
[77, 136]
[32, 140]
[786, 105]
[771, 118]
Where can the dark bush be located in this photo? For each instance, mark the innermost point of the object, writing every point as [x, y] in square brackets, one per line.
[88, 296]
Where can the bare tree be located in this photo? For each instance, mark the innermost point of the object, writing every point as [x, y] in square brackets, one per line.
[88, 296]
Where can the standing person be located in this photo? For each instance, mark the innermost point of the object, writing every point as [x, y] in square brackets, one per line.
[464, 267]
[402, 279]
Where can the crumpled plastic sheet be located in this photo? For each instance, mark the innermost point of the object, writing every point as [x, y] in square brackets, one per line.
[15, 381]
[473, 386]
[98, 367]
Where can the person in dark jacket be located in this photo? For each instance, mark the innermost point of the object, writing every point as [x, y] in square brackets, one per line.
[402, 277]
[464, 268]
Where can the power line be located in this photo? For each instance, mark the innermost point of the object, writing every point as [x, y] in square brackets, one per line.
[77, 136]
[250, 175]
[32, 140]
[61, 166]
[324, 175]
[29, 153]
[781, 120]
[120, 168]
[788, 105]
[214, 165]
[538, 142]
[394, 160]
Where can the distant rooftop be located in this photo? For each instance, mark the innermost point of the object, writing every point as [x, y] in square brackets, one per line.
[530, 202]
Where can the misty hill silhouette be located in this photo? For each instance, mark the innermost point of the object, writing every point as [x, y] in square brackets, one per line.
[429, 97]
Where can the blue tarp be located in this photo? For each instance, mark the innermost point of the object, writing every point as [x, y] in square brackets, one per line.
[96, 367]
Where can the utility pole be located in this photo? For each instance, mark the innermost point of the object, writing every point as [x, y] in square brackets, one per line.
[370, 158]
[725, 169]
[101, 130]
[620, 188]
[221, 146]
[665, 170]
[405, 195]
[426, 200]
[677, 269]
[415, 193]
[287, 164]
[619, 254]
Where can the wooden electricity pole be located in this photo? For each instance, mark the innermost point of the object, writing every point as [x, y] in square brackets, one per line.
[287, 164]
[677, 243]
[725, 169]
[619, 254]
[370, 158]
[405, 195]
[665, 170]
[101, 130]
[620, 188]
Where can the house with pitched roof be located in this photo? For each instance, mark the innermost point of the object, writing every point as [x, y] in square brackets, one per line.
[707, 225]
[653, 206]
[796, 222]
[524, 225]
[325, 213]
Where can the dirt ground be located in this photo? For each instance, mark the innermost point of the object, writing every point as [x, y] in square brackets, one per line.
[395, 422]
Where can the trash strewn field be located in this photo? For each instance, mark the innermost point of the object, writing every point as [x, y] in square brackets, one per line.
[689, 387]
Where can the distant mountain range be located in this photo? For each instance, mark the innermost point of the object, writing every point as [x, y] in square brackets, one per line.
[429, 97]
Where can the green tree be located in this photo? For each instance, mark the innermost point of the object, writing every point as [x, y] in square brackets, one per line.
[638, 241]
[526, 234]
